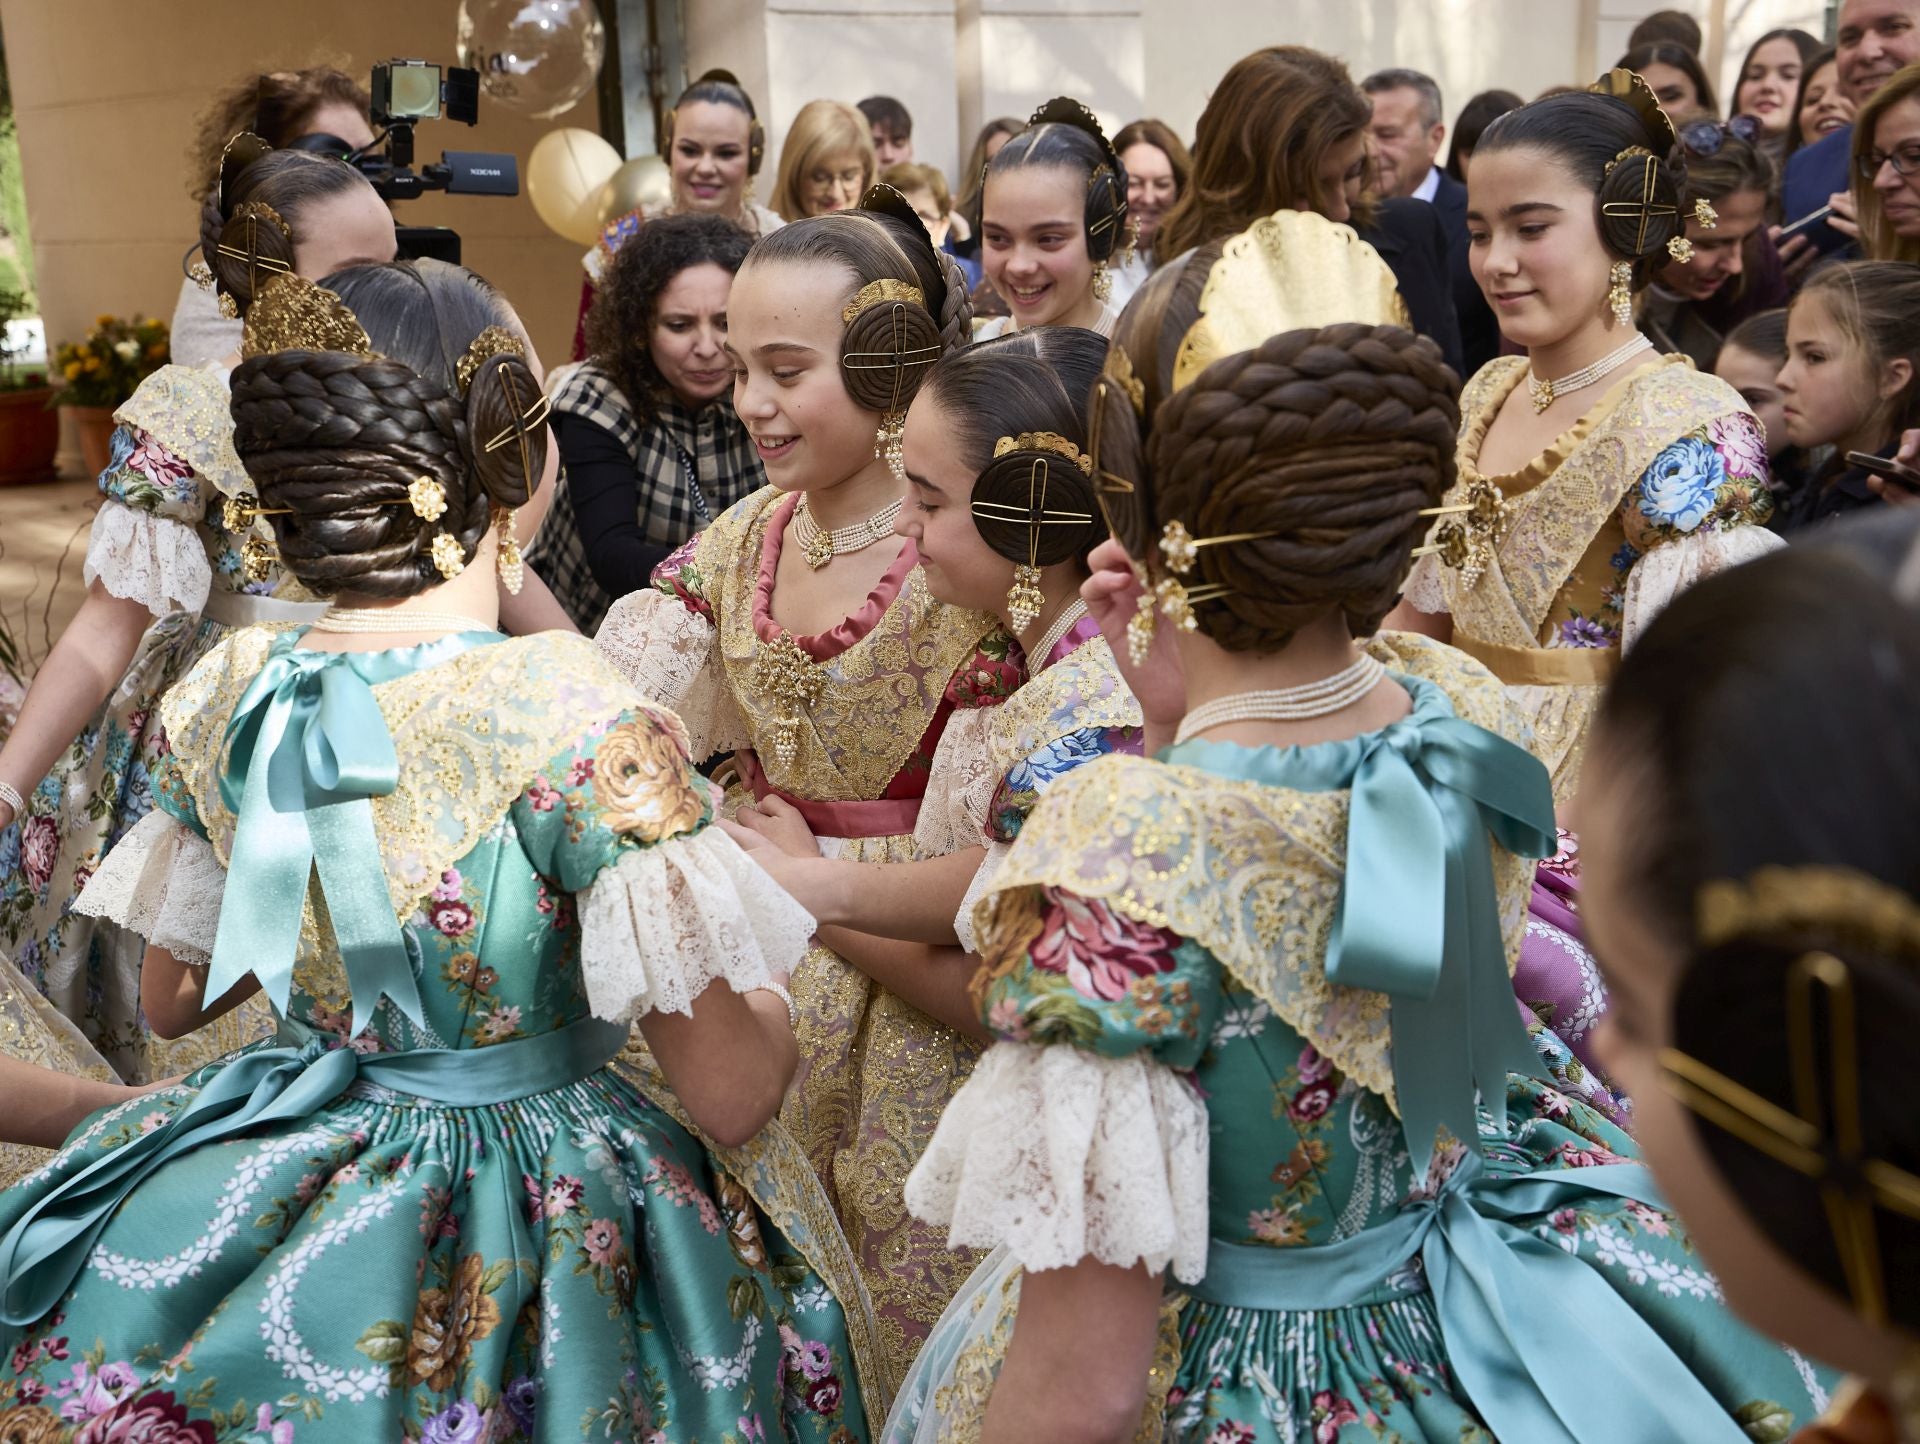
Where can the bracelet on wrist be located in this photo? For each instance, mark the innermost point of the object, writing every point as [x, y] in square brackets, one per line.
[10, 795]
[793, 1013]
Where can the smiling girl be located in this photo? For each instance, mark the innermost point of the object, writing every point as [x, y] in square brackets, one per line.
[1000, 505]
[1602, 476]
[799, 633]
[1053, 214]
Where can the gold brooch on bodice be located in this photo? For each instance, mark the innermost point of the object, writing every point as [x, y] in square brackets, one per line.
[791, 682]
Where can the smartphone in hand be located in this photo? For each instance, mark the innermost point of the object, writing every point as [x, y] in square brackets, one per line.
[1898, 473]
[1805, 223]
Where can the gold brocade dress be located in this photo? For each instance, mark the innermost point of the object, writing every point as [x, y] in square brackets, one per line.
[845, 725]
[1663, 482]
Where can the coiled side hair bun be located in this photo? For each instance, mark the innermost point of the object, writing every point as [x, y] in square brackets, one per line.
[259, 210]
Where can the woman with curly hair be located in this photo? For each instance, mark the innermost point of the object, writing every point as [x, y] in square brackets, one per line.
[652, 449]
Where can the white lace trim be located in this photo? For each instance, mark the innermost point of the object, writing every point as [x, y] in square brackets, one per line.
[665, 921]
[960, 784]
[672, 656]
[1426, 589]
[1669, 569]
[161, 882]
[1064, 1155]
[977, 889]
[153, 560]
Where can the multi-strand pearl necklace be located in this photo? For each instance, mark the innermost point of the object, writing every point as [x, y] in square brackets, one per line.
[820, 546]
[1544, 393]
[397, 619]
[1286, 704]
[1049, 639]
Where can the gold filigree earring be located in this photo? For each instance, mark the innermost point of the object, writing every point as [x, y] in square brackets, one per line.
[1140, 627]
[1102, 282]
[512, 566]
[887, 441]
[1025, 601]
[1620, 293]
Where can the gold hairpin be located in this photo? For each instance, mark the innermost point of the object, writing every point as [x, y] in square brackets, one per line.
[1705, 214]
[492, 341]
[1044, 441]
[1646, 208]
[1182, 549]
[1822, 1138]
[876, 293]
[238, 511]
[427, 497]
[1177, 601]
[449, 557]
[1467, 546]
[520, 426]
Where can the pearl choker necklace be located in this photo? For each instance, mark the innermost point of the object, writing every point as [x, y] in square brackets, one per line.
[820, 546]
[1050, 639]
[1286, 704]
[397, 619]
[1544, 393]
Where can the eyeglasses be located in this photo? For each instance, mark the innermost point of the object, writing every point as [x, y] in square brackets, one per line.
[1905, 161]
[1706, 137]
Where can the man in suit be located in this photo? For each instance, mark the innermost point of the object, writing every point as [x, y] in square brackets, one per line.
[1873, 40]
[1405, 137]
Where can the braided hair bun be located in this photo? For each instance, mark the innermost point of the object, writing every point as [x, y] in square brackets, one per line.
[250, 218]
[337, 440]
[1328, 442]
[1063, 132]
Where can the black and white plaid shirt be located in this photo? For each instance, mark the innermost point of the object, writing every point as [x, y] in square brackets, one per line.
[712, 440]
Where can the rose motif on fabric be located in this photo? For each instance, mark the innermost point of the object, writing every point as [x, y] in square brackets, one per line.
[1099, 951]
[1680, 487]
[39, 850]
[150, 1419]
[30, 1424]
[643, 784]
[464, 1423]
[1331, 1413]
[447, 1323]
[1742, 445]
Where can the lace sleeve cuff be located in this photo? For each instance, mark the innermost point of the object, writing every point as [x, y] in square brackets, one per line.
[1670, 568]
[960, 783]
[982, 883]
[665, 921]
[670, 654]
[161, 882]
[1425, 589]
[153, 560]
[1063, 1155]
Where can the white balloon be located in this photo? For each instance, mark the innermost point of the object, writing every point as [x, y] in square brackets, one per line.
[566, 175]
[538, 57]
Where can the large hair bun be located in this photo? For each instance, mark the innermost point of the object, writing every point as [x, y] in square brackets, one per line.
[506, 429]
[1640, 204]
[1037, 479]
[891, 343]
[1105, 214]
[1329, 443]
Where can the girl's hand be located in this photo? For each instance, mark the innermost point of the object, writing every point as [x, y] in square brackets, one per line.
[1112, 594]
[808, 879]
[780, 823]
[1844, 218]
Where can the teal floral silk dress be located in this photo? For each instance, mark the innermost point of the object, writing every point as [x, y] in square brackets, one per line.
[162, 537]
[1225, 1053]
[457, 1223]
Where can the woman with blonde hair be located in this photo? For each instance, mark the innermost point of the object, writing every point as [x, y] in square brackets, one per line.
[826, 162]
[1886, 170]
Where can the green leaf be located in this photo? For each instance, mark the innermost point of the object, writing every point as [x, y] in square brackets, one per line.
[744, 1296]
[1764, 1421]
[496, 1275]
[385, 1342]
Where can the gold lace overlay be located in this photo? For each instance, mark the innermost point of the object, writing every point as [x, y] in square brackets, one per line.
[1082, 691]
[1250, 872]
[1563, 525]
[469, 734]
[774, 1170]
[858, 728]
[875, 1074]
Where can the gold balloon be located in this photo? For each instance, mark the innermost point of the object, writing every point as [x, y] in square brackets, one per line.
[565, 174]
[643, 184]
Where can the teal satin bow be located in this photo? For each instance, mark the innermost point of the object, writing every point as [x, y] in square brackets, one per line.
[1419, 919]
[307, 751]
[1503, 1297]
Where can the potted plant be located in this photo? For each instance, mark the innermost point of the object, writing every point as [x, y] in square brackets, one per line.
[29, 432]
[103, 371]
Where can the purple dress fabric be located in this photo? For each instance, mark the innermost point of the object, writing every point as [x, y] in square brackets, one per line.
[1557, 981]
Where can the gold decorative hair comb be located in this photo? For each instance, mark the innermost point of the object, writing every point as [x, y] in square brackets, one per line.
[1045, 441]
[293, 314]
[876, 293]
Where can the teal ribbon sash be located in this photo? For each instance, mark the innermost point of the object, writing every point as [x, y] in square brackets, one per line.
[306, 751]
[1504, 1297]
[1419, 916]
[43, 1253]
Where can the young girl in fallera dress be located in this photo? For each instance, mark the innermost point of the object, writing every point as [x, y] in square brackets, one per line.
[1000, 505]
[515, 862]
[798, 633]
[1763, 944]
[1252, 1015]
[1054, 222]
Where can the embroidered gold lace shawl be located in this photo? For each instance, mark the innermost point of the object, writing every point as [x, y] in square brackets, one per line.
[188, 410]
[1564, 525]
[1083, 690]
[1252, 873]
[880, 693]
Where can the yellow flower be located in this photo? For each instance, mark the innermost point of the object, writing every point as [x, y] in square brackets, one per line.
[102, 321]
[72, 368]
[91, 364]
[643, 781]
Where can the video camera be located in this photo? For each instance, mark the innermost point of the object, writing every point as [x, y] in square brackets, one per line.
[406, 92]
